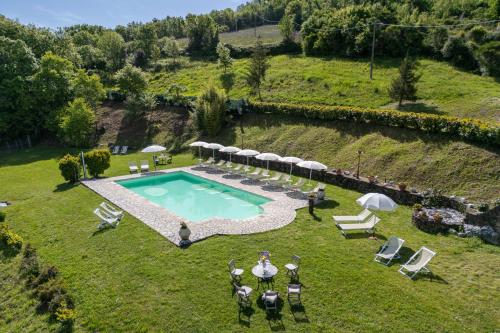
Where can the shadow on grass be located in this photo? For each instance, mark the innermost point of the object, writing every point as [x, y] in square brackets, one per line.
[7, 253]
[327, 204]
[245, 314]
[298, 311]
[101, 231]
[420, 107]
[65, 187]
[274, 317]
[365, 235]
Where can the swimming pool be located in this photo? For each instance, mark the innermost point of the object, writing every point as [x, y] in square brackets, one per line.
[195, 198]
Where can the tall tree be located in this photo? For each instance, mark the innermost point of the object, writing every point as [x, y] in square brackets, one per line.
[131, 80]
[171, 49]
[88, 87]
[76, 124]
[202, 33]
[147, 39]
[403, 87]
[112, 47]
[210, 109]
[224, 57]
[258, 68]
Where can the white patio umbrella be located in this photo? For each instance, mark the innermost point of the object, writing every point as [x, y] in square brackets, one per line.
[247, 153]
[154, 149]
[230, 150]
[312, 165]
[292, 160]
[214, 147]
[377, 201]
[268, 157]
[198, 144]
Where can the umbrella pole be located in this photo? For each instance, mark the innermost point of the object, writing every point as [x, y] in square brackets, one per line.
[230, 157]
[199, 152]
[310, 174]
[291, 167]
[267, 165]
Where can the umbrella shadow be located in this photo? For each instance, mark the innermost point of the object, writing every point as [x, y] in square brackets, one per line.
[232, 176]
[272, 188]
[248, 181]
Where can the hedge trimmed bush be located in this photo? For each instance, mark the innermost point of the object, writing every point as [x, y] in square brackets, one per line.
[97, 161]
[70, 168]
[468, 129]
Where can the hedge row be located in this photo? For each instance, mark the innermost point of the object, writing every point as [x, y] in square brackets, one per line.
[464, 128]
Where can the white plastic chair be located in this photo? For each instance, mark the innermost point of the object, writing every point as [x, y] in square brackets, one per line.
[236, 273]
[417, 263]
[293, 267]
[105, 220]
[389, 251]
[132, 166]
[144, 166]
[112, 211]
[116, 150]
[367, 226]
[124, 150]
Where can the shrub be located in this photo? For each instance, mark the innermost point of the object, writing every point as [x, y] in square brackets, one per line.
[77, 123]
[29, 267]
[70, 168]
[65, 315]
[477, 34]
[2, 216]
[489, 58]
[211, 108]
[10, 239]
[468, 129]
[49, 292]
[97, 161]
[48, 273]
[459, 52]
[131, 80]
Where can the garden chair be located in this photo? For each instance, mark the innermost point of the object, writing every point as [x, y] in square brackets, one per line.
[292, 269]
[124, 150]
[389, 251]
[243, 293]
[116, 150]
[367, 226]
[144, 166]
[417, 263]
[270, 299]
[294, 291]
[236, 273]
[112, 211]
[132, 167]
[105, 220]
[353, 218]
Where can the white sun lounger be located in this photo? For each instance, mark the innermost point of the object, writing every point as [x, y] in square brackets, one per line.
[116, 150]
[275, 180]
[105, 220]
[417, 263]
[367, 226]
[132, 166]
[255, 174]
[263, 175]
[353, 218]
[144, 166]
[124, 150]
[390, 250]
[218, 164]
[112, 211]
[236, 170]
[208, 162]
[297, 186]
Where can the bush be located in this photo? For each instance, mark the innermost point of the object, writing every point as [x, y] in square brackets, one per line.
[48, 273]
[489, 58]
[29, 267]
[77, 123]
[65, 315]
[2, 216]
[70, 168]
[10, 239]
[459, 52]
[210, 110]
[467, 129]
[97, 161]
[50, 292]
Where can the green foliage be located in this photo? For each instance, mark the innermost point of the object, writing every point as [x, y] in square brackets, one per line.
[468, 129]
[258, 68]
[137, 105]
[202, 33]
[2, 216]
[489, 58]
[70, 168]
[77, 123]
[403, 87]
[140, 59]
[88, 87]
[170, 47]
[131, 80]
[29, 267]
[9, 239]
[227, 81]
[47, 273]
[287, 28]
[112, 47]
[224, 57]
[459, 52]
[210, 110]
[147, 39]
[175, 91]
[97, 161]
[477, 34]
[92, 57]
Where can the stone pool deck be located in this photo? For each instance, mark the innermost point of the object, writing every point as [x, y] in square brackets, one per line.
[277, 213]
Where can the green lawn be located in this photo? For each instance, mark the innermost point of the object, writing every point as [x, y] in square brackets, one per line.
[132, 279]
[443, 89]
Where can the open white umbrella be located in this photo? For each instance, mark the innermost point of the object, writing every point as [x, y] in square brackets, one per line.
[377, 201]
[247, 153]
[154, 149]
[230, 150]
[214, 147]
[292, 160]
[268, 157]
[198, 144]
[312, 165]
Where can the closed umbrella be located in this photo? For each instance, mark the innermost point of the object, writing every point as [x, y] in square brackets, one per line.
[377, 201]
[198, 144]
[292, 160]
[247, 153]
[230, 150]
[312, 165]
[154, 149]
[268, 157]
[214, 147]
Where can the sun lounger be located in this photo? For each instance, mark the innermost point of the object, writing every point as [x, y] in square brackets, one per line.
[263, 175]
[124, 150]
[111, 211]
[417, 263]
[207, 163]
[218, 164]
[144, 166]
[255, 174]
[105, 220]
[284, 181]
[244, 171]
[132, 166]
[297, 186]
[368, 226]
[116, 150]
[274, 180]
[353, 218]
[236, 170]
[389, 251]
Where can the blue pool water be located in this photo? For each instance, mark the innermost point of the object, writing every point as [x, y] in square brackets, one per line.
[195, 198]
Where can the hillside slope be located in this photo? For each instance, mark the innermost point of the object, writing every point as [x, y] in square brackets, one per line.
[442, 89]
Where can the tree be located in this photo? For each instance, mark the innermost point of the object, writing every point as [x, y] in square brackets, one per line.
[88, 87]
[131, 80]
[98, 161]
[287, 28]
[17, 64]
[140, 59]
[489, 57]
[92, 57]
[202, 33]
[76, 124]
[70, 168]
[403, 87]
[112, 47]
[171, 49]
[175, 90]
[224, 57]
[211, 109]
[147, 39]
[258, 68]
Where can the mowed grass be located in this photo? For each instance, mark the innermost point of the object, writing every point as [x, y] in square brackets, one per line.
[442, 89]
[132, 279]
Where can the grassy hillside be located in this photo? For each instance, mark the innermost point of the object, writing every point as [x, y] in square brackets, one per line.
[443, 89]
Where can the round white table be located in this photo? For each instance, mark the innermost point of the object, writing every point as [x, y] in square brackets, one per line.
[265, 273]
